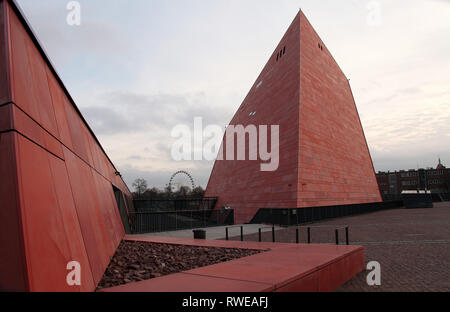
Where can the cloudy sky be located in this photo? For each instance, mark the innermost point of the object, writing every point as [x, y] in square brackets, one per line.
[136, 69]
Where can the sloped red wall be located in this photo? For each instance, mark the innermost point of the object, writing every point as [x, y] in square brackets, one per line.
[274, 97]
[324, 158]
[58, 203]
[335, 167]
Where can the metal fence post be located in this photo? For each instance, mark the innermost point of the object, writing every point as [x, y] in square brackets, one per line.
[226, 233]
[309, 235]
[273, 234]
[242, 233]
[346, 236]
[297, 236]
[337, 237]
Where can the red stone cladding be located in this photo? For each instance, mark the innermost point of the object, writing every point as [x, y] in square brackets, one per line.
[324, 157]
[335, 167]
[241, 184]
[56, 195]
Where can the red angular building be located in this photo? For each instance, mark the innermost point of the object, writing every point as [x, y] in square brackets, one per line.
[61, 198]
[324, 157]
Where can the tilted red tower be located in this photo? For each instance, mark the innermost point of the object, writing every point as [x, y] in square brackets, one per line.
[324, 157]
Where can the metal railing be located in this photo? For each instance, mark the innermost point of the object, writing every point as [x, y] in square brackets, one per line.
[297, 216]
[320, 238]
[227, 231]
[152, 222]
[267, 227]
[437, 197]
[169, 205]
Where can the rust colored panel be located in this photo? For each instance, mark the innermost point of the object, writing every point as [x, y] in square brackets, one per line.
[96, 194]
[5, 86]
[114, 210]
[58, 99]
[29, 128]
[95, 154]
[86, 203]
[46, 245]
[13, 276]
[53, 145]
[5, 118]
[87, 136]
[41, 89]
[102, 165]
[76, 131]
[109, 210]
[22, 78]
[71, 222]
[102, 213]
[110, 171]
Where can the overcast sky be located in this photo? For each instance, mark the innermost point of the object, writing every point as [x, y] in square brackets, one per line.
[138, 68]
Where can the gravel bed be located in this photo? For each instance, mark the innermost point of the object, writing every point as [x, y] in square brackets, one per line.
[139, 261]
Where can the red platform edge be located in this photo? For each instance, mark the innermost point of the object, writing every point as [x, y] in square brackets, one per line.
[283, 268]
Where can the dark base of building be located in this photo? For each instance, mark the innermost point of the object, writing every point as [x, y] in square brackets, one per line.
[296, 216]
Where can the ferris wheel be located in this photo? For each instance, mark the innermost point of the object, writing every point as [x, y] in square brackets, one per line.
[181, 173]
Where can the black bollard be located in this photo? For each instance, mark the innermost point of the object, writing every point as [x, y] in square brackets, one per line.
[309, 235]
[337, 237]
[273, 234]
[242, 233]
[260, 235]
[226, 233]
[346, 236]
[297, 240]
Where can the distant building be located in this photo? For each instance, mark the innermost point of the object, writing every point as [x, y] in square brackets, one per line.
[437, 180]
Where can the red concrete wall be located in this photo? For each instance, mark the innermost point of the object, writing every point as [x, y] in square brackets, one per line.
[58, 203]
[324, 158]
[241, 184]
[5, 92]
[13, 276]
[335, 167]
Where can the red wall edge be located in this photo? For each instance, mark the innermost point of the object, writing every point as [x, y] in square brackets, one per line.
[57, 197]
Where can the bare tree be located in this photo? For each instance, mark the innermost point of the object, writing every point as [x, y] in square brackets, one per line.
[152, 193]
[140, 185]
[198, 192]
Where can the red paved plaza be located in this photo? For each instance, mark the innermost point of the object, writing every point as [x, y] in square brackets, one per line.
[412, 246]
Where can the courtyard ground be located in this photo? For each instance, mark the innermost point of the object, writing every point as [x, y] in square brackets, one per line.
[412, 246]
